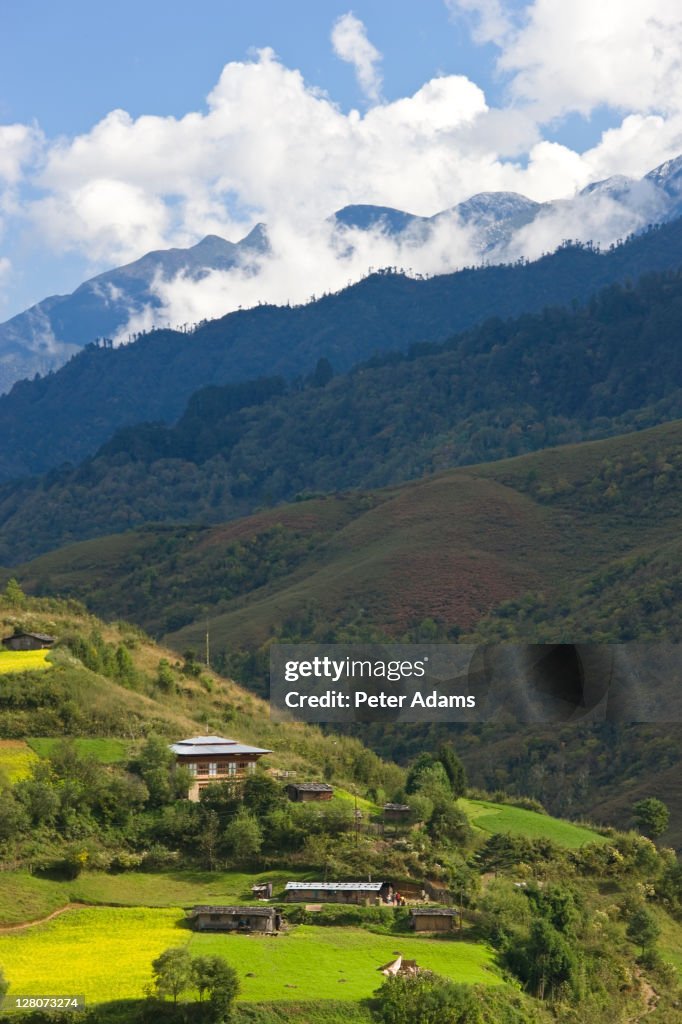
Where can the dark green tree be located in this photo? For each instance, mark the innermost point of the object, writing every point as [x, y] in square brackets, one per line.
[243, 837]
[171, 973]
[651, 817]
[262, 795]
[454, 769]
[643, 928]
[217, 980]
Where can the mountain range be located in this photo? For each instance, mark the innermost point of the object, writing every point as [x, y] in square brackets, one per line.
[67, 415]
[498, 227]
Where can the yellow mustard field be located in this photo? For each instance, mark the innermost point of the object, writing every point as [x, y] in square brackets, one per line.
[23, 661]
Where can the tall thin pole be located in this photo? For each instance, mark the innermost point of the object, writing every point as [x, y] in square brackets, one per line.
[208, 658]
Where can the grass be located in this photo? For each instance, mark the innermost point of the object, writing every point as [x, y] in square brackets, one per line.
[106, 954]
[369, 809]
[24, 897]
[23, 661]
[106, 751]
[670, 941]
[490, 817]
[16, 759]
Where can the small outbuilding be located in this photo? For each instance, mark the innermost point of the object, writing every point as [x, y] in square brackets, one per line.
[432, 919]
[396, 812]
[28, 642]
[359, 893]
[304, 792]
[262, 890]
[236, 919]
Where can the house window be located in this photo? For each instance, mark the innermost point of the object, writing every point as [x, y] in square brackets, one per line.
[222, 767]
[191, 768]
[252, 767]
[202, 769]
[212, 768]
[232, 768]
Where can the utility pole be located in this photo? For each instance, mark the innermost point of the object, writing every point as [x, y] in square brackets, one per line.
[208, 658]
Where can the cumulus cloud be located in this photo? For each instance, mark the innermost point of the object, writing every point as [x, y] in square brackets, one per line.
[561, 58]
[268, 146]
[491, 23]
[19, 145]
[350, 42]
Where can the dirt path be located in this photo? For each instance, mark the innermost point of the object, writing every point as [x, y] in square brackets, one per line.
[5, 929]
[649, 998]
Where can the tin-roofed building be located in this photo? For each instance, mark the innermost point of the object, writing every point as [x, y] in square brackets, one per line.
[28, 642]
[362, 893]
[213, 759]
[235, 919]
[301, 792]
[396, 812]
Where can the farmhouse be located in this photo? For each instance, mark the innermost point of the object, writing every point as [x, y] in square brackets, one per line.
[432, 919]
[301, 792]
[360, 893]
[235, 919]
[396, 812]
[213, 759]
[28, 642]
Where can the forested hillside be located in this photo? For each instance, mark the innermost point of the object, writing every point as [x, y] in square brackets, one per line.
[67, 415]
[501, 389]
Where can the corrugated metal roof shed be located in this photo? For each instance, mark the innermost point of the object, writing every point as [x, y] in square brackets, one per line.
[334, 886]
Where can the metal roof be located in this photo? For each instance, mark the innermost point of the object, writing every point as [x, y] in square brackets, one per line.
[396, 807]
[432, 912]
[250, 911]
[334, 886]
[37, 636]
[312, 787]
[197, 745]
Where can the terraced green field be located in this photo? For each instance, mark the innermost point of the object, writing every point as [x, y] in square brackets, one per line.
[23, 661]
[504, 818]
[25, 897]
[106, 751]
[16, 759]
[106, 953]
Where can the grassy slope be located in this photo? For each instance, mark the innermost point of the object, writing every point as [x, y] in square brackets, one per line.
[106, 954]
[25, 897]
[106, 751]
[208, 704]
[454, 547]
[491, 817]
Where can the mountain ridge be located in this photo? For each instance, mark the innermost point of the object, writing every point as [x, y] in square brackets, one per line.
[67, 415]
[43, 337]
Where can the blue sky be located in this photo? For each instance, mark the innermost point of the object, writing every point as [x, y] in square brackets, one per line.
[457, 95]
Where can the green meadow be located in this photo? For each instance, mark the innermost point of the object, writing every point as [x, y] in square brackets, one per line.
[25, 897]
[106, 751]
[505, 818]
[105, 954]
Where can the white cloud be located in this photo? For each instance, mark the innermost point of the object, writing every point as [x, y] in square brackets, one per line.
[575, 57]
[270, 147]
[19, 145]
[350, 42]
[490, 22]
